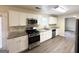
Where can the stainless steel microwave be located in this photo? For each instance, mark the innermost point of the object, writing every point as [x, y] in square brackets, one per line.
[32, 21]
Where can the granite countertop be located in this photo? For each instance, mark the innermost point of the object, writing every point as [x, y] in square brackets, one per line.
[43, 30]
[16, 34]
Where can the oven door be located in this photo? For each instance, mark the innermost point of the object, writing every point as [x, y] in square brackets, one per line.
[34, 39]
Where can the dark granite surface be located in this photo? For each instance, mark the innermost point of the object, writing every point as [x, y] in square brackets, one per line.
[16, 34]
[4, 51]
[44, 30]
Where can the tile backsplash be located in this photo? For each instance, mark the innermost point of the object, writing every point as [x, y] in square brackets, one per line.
[17, 28]
[22, 28]
[52, 25]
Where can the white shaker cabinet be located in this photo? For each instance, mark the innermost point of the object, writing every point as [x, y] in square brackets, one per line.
[49, 34]
[17, 18]
[22, 19]
[45, 35]
[13, 18]
[23, 43]
[12, 45]
[52, 20]
[42, 37]
[17, 44]
[30, 15]
[57, 31]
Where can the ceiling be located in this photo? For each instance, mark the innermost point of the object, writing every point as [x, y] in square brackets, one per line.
[46, 9]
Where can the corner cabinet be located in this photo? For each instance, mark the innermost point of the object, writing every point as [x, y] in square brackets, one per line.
[17, 44]
[17, 18]
[52, 20]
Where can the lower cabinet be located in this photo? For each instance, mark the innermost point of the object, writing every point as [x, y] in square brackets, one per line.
[17, 44]
[57, 31]
[42, 37]
[45, 35]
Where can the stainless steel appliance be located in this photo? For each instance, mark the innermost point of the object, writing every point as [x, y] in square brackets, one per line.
[53, 33]
[32, 21]
[33, 38]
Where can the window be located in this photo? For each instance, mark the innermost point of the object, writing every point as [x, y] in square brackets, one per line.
[43, 21]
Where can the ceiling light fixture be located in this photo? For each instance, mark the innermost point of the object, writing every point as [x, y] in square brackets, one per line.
[37, 7]
[61, 9]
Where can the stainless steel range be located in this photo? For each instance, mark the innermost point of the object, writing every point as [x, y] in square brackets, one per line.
[33, 38]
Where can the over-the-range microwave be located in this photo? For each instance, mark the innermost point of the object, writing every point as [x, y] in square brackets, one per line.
[32, 21]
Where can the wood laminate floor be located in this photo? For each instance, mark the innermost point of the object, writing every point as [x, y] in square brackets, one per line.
[58, 44]
[70, 34]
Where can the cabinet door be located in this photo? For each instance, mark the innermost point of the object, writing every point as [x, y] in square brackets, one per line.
[13, 18]
[17, 44]
[52, 20]
[35, 17]
[55, 20]
[39, 19]
[45, 35]
[42, 37]
[23, 17]
[57, 31]
[49, 34]
[23, 43]
[30, 15]
[12, 45]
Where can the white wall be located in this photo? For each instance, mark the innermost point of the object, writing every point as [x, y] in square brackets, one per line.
[61, 25]
[70, 24]
[61, 22]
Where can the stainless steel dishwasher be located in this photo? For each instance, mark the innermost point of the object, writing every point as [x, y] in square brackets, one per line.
[53, 33]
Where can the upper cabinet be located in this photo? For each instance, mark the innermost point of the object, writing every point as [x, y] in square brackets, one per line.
[23, 19]
[13, 18]
[52, 20]
[17, 18]
[33, 16]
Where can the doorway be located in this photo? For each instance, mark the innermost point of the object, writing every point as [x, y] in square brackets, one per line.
[70, 27]
[70, 30]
